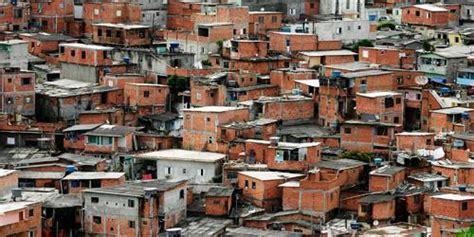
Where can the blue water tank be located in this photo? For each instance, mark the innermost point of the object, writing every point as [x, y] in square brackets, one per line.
[462, 188]
[465, 116]
[355, 225]
[445, 90]
[13, 2]
[70, 169]
[372, 17]
[336, 74]
[174, 45]
[285, 29]
[126, 59]
[378, 161]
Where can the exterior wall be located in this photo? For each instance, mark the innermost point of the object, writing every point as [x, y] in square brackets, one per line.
[396, 58]
[379, 183]
[380, 211]
[426, 18]
[17, 92]
[292, 42]
[260, 23]
[289, 110]
[93, 57]
[218, 206]
[285, 78]
[30, 225]
[448, 214]
[110, 12]
[415, 142]
[440, 122]
[52, 17]
[376, 106]
[313, 156]
[14, 18]
[103, 183]
[200, 128]
[364, 138]
[120, 36]
[457, 176]
[14, 54]
[188, 170]
[119, 144]
[8, 182]
[153, 97]
[266, 194]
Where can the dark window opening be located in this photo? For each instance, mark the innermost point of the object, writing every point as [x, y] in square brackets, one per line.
[94, 200]
[97, 219]
[203, 32]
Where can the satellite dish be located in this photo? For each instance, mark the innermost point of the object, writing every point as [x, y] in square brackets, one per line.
[376, 223]
[421, 80]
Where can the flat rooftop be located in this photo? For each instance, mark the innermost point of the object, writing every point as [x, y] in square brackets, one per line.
[182, 155]
[213, 109]
[4, 172]
[454, 197]
[79, 175]
[86, 46]
[328, 53]
[376, 94]
[123, 26]
[453, 110]
[270, 175]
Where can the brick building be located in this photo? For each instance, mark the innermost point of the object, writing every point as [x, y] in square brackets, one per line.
[386, 178]
[53, 17]
[286, 108]
[326, 57]
[79, 181]
[146, 98]
[200, 125]
[389, 56]
[383, 106]
[284, 42]
[109, 140]
[425, 15]
[219, 201]
[380, 207]
[17, 91]
[285, 78]
[135, 209]
[262, 22]
[14, 17]
[412, 141]
[109, 12]
[261, 188]
[20, 218]
[368, 136]
[124, 35]
[450, 213]
[451, 119]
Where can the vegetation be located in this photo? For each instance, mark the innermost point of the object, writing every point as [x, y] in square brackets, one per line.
[178, 83]
[220, 45]
[362, 43]
[386, 25]
[206, 63]
[357, 155]
[427, 46]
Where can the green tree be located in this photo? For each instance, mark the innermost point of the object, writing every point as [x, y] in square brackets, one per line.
[385, 25]
[427, 46]
[363, 43]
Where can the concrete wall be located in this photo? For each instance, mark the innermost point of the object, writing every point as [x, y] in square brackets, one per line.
[193, 170]
[154, 18]
[79, 72]
[329, 6]
[14, 55]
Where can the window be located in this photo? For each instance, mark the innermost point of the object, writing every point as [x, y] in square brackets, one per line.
[83, 54]
[31, 233]
[416, 199]
[398, 101]
[382, 131]
[464, 206]
[208, 119]
[388, 102]
[254, 185]
[97, 219]
[347, 130]
[339, 30]
[292, 11]
[274, 19]
[364, 208]
[418, 96]
[246, 183]
[456, 39]
[31, 212]
[202, 172]
[348, 4]
[146, 94]
[131, 203]
[428, 141]
[119, 13]
[359, 27]
[108, 33]
[400, 80]
[99, 32]
[96, 11]
[118, 34]
[104, 54]
[131, 224]
[73, 53]
[204, 32]
[261, 19]
[417, 13]
[181, 194]
[210, 140]
[21, 216]
[184, 171]
[92, 139]
[25, 81]
[9, 100]
[94, 200]
[288, 43]
[169, 170]
[396, 120]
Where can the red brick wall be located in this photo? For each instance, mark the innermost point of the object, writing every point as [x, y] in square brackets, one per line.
[435, 19]
[298, 41]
